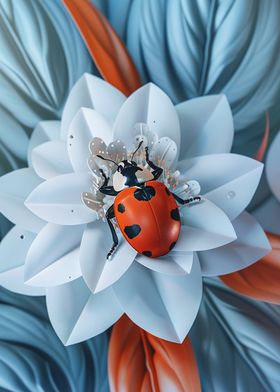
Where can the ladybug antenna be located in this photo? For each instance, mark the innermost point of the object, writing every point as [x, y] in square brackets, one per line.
[107, 159]
[139, 145]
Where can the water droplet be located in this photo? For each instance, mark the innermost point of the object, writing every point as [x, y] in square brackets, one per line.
[71, 137]
[72, 210]
[231, 195]
[22, 237]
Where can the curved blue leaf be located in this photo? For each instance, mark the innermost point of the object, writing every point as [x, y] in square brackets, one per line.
[42, 55]
[236, 341]
[197, 47]
[33, 358]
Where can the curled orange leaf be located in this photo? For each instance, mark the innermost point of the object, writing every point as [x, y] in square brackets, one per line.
[260, 280]
[262, 149]
[106, 48]
[141, 362]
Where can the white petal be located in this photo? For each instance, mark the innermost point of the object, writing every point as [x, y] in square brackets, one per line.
[228, 180]
[174, 263]
[14, 188]
[165, 152]
[163, 305]
[76, 314]
[53, 257]
[149, 105]
[13, 249]
[206, 126]
[267, 214]
[273, 166]
[86, 125]
[205, 226]
[117, 151]
[59, 200]
[251, 245]
[98, 272]
[94, 93]
[50, 159]
[44, 132]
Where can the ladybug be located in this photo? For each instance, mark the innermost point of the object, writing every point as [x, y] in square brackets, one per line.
[145, 210]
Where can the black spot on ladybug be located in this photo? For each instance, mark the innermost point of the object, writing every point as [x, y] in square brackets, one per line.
[132, 231]
[167, 191]
[121, 208]
[147, 253]
[145, 193]
[172, 245]
[175, 214]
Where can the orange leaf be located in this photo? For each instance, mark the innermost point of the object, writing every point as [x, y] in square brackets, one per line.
[260, 280]
[141, 362]
[262, 149]
[106, 48]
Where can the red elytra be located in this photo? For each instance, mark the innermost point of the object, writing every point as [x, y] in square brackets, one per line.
[148, 218]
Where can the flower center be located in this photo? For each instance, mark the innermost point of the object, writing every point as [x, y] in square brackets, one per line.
[116, 167]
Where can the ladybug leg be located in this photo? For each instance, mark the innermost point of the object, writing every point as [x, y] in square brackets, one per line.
[106, 179]
[110, 215]
[186, 201]
[157, 171]
[105, 188]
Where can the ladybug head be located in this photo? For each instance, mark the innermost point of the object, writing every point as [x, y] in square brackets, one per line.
[128, 173]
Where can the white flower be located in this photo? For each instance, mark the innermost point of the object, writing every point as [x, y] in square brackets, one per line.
[59, 246]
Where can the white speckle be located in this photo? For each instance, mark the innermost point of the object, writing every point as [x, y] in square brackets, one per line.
[230, 195]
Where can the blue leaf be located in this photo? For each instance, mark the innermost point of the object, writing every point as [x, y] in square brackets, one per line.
[32, 357]
[236, 341]
[197, 47]
[42, 55]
